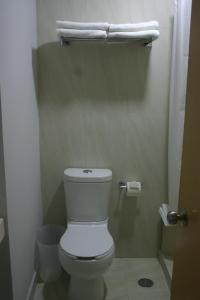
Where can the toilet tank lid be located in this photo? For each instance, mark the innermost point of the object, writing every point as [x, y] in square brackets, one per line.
[87, 175]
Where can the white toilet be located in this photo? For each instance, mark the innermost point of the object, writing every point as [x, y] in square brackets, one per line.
[86, 248]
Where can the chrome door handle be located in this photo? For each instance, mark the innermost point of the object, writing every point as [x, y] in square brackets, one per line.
[174, 218]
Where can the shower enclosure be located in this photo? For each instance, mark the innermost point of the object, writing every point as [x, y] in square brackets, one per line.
[177, 98]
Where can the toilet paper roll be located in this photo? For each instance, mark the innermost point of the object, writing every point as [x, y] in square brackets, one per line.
[134, 189]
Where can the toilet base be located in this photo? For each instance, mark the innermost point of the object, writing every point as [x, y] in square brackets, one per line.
[86, 289]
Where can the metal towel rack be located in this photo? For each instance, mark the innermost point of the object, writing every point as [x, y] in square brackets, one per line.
[67, 41]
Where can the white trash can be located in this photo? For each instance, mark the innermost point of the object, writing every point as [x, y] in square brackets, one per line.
[48, 265]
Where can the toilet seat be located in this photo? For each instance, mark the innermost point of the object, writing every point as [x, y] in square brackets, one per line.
[86, 241]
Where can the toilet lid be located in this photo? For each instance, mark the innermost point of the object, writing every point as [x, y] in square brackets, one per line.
[86, 240]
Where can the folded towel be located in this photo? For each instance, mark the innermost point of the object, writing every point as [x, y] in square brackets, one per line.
[82, 34]
[148, 34]
[82, 26]
[163, 211]
[152, 25]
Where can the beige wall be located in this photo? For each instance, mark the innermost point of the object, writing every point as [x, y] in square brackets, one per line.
[106, 106]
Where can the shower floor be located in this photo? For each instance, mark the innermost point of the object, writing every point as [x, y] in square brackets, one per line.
[121, 281]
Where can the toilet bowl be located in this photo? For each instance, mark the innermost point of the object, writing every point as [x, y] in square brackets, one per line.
[86, 248]
[86, 251]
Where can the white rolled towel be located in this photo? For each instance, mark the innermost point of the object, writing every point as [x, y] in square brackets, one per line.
[82, 26]
[163, 211]
[82, 34]
[148, 34]
[152, 25]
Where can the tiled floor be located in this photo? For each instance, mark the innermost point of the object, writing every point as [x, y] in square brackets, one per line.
[121, 281]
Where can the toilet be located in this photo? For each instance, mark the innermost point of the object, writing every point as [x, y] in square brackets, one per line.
[86, 248]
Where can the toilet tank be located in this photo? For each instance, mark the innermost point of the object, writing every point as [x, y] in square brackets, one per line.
[87, 194]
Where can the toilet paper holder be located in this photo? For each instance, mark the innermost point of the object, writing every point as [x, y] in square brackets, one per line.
[122, 185]
[131, 188]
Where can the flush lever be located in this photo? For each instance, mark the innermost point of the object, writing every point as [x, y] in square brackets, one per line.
[174, 218]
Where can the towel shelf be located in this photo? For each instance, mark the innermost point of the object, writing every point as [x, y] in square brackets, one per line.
[67, 41]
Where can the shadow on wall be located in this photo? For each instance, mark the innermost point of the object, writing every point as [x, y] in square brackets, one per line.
[81, 88]
[126, 225]
[92, 71]
[56, 213]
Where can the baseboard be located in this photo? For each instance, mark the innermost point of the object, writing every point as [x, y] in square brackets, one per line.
[32, 286]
